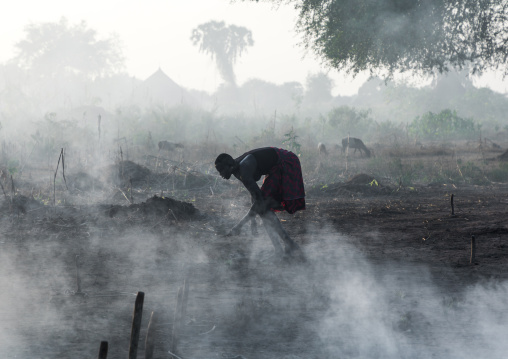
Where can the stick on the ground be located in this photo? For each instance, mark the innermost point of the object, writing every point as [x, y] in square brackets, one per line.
[130, 190]
[13, 189]
[60, 158]
[177, 319]
[121, 163]
[150, 333]
[3, 190]
[136, 325]
[63, 168]
[473, 250]
[184, 301]
[103, 350]
[78, 278]
[451, 202]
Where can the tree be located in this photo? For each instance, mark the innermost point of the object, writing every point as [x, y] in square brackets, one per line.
[319, 88]
[223, 43]
[54, 49]
[422, 36]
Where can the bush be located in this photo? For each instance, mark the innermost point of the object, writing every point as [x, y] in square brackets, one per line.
[350, 120]
[499, 174]
[445, 125]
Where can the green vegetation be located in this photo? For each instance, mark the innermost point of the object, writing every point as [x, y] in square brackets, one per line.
[498, 174]
[420, 36]
[347, 119]
[224, 44]
[291, 142]
[445, 125]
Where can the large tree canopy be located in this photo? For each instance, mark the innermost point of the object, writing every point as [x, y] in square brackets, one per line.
[406, 35]
[52, 49]
[223, 43]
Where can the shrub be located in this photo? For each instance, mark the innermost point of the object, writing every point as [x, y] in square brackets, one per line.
[350, 120]
[499, 174]
[444, 125]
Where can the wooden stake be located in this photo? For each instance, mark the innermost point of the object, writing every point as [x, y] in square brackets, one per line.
[473, 250]
[103, 351]
[451, 202]
[150, 342]
[136, 325]
[3, 190]
[13, 189]
[63, 168]
[184, 301]
[78, 278]
[130, 184]
[60, 158]
[176, 321]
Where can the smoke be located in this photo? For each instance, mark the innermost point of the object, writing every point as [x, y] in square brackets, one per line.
[243, 300]
[381, 309]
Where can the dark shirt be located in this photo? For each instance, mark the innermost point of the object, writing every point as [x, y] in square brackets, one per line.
[266, 159]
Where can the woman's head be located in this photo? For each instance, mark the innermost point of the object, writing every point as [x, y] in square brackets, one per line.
[225, 165]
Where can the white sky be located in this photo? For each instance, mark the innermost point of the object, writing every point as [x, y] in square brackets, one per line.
[156, 33]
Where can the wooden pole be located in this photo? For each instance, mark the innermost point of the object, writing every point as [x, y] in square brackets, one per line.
[176, 321]
[103, 351]
[150, 342]
[179, 316]
[185, 298]
[451, 202]
[136, 325]
[78, 277]
[473, 250]
[130, 183]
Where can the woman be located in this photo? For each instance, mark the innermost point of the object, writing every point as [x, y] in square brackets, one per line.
[282, 188]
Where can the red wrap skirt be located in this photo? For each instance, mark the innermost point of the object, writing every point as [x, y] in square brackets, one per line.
[284, 183]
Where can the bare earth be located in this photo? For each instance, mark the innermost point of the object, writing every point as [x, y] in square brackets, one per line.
[388, 271]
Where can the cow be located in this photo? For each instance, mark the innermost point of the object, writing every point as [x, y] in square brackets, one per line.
[322, 149]
[355, 143]
[169, 146]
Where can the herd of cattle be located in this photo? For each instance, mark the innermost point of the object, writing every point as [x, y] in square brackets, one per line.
[347, 143]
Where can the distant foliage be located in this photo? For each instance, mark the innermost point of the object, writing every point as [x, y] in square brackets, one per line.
[52, 50]
[224, 44]
[446, 124]
[350, 120]
[393, 35]
[291, 142]
[319, 88]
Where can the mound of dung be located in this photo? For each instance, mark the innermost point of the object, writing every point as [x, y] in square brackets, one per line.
[155, 207]
[360, 179]
[361, 184]
[20, 204]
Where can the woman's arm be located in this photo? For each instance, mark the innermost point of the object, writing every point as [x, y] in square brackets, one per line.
[245, 174]
[246, 171]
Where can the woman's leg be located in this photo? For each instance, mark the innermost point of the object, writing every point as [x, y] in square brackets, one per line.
[276, 231]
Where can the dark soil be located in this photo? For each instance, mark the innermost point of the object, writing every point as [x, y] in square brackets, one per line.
[154, 207]
[389, 272]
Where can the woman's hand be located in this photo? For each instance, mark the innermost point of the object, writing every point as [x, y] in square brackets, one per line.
[260, 206]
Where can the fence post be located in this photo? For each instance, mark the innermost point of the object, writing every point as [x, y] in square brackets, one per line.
[150, 342]
[473, 250]
[136, 325]
[103, 350]
[179, 316]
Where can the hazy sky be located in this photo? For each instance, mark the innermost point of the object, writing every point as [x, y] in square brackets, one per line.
[156, 33]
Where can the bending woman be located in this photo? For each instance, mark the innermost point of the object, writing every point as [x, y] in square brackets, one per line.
[282, 189]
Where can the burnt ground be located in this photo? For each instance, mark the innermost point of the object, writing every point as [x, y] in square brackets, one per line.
[387, 275]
